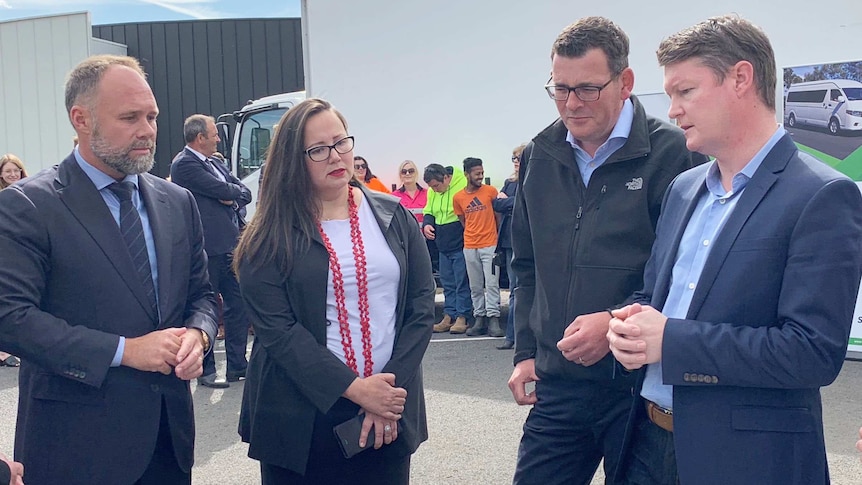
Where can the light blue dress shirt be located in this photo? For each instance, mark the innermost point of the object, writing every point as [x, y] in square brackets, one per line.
[712, 211]
[618, 137]
[102, 180]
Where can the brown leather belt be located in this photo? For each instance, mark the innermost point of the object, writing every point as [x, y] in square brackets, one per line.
[661, 417]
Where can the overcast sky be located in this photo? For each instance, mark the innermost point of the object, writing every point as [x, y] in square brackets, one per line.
[122, 11]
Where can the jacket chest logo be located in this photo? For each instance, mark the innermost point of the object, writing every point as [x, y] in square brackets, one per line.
[636, 183]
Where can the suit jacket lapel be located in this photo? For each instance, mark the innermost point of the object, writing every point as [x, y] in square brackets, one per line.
[158, 212]
[751, 197]
[80, 196]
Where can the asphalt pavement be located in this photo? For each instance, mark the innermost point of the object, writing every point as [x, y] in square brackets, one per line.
[473, 422]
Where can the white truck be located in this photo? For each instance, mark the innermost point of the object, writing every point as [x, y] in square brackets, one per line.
[245, 148]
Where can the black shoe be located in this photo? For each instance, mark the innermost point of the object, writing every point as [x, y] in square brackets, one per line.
[235, 376]
[506, 345]
[210, 381]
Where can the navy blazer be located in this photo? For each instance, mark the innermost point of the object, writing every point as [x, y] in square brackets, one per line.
[220, 221]
[768, 324]
[68, 291]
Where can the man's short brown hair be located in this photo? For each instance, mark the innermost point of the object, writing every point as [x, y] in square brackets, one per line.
[84, 79]
[594, 33]
[719, 43]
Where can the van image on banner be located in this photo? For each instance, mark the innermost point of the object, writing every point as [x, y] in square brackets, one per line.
[835, 104]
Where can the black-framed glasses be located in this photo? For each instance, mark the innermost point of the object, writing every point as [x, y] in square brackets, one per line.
[322, 153]
[408, 171]
[516, 158]
[584, 93]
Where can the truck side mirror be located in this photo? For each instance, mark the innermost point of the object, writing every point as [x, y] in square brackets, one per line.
[224, 143]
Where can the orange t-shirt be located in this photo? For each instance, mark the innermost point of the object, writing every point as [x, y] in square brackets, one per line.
[376, 184]
[480, 223]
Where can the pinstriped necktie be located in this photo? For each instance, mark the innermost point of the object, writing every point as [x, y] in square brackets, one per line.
[133, 233]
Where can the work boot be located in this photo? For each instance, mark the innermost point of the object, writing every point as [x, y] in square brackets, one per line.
[444, 324]
[460, 325]
[478, 328]
[494, 328]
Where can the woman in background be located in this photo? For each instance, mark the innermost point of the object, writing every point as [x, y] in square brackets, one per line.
[413, 196]
[364, 175]
[503, 205]
[11, 171]
[318, 266]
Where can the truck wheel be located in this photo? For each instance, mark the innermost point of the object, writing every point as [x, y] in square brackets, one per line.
[791, 121]
[834, 126]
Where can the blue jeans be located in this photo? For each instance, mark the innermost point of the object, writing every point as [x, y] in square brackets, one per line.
[456, 289]
[513, 283]
[651, 458]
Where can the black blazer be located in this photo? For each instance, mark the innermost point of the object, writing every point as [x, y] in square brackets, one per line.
[220, 221]
[292, 375]
[68, 291]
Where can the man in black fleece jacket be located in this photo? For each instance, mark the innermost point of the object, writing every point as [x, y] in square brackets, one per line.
[591, 186]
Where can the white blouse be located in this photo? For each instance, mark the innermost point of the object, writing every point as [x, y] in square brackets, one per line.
[383, 278]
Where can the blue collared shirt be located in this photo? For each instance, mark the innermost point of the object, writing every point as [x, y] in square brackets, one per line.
[102, 180]
[713, 209]
[618, 137]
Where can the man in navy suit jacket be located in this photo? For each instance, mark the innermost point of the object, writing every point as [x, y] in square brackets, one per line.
[220, 196]
[749, 293]
[109, 336]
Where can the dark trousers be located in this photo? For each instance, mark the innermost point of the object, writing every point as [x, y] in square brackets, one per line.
[651, 459]
[390, 465]
[223, 281]
[163, 468]
[572, 426]
[513, 283]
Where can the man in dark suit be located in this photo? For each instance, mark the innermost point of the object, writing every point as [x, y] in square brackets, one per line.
[104, 294]
[751, 285]
[11, 472]
[220, 196]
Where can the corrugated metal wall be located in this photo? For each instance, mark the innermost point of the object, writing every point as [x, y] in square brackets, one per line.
[35, 56]
[210, 67]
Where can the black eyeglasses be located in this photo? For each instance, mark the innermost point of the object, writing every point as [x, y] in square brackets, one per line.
[408, 171]
[322, 153]
[584, 93]
[516, 158]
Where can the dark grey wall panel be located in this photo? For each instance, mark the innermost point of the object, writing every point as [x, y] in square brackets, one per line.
[210, 67]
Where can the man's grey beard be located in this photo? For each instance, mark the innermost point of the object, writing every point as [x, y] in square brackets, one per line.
[119, 159]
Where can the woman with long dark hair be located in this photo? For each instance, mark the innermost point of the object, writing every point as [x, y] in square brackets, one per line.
[318, 266]
[363, 174]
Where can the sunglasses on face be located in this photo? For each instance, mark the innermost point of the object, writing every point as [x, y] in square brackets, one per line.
[408, 171]
[360, 166]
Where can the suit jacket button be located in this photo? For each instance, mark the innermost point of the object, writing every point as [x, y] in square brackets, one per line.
[685, 377]
[154, 387]
[700, 378]
[82, 374]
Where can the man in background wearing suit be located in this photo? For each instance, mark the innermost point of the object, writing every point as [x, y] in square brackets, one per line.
[104, 294]
[220, 196]
[750, 289]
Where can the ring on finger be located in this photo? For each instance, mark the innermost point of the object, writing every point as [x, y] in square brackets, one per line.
[387, 429]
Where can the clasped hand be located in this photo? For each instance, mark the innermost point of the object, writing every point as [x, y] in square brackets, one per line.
[177, 350]
[635, 335]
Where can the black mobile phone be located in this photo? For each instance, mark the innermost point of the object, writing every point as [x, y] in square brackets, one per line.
[347, 434]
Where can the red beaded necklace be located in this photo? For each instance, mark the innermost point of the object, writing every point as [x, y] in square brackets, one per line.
[361, 283]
